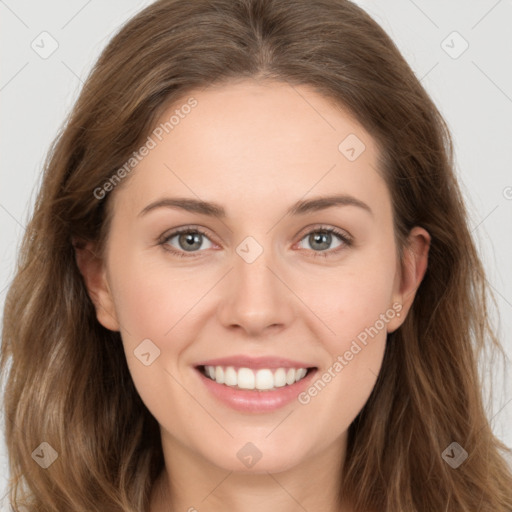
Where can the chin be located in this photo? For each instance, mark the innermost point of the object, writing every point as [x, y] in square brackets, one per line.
[248, 459]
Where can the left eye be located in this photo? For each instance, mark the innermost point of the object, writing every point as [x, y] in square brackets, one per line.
[190, 240]
[321, 238]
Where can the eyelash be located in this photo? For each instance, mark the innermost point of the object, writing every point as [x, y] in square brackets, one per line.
[347, 241]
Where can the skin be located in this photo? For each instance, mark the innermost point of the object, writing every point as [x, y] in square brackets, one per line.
[256, 148]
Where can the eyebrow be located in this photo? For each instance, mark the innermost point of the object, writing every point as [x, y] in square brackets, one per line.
[216, 210]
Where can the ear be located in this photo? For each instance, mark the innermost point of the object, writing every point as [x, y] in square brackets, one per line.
[410, 274]
[94, 274]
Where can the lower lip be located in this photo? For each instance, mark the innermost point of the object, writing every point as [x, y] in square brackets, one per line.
[255, 401]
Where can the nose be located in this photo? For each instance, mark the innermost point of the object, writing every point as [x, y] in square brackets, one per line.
[256, 297]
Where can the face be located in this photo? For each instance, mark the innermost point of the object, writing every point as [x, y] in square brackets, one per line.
[279, 278]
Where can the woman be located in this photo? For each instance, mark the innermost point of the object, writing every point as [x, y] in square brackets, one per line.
[177, 340]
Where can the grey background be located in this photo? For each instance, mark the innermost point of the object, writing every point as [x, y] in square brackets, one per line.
[473, 91]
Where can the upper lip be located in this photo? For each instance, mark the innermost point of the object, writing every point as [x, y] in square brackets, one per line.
[242, 361]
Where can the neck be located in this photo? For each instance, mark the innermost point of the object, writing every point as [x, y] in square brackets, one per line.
[192, 484]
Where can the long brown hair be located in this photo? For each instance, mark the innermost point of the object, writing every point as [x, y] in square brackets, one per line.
[68, 383]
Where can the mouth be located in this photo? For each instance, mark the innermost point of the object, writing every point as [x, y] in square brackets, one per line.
[260, 379]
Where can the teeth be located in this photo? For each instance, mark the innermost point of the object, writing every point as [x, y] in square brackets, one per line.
[262, 379]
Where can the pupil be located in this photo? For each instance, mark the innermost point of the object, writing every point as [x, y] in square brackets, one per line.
[318, 237]
[191, 239]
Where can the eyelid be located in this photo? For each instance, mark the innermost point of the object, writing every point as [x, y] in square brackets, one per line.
[183, 229]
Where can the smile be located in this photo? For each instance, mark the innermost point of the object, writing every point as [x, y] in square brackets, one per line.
[263, 379]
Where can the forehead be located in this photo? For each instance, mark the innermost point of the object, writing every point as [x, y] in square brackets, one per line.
[250, 141]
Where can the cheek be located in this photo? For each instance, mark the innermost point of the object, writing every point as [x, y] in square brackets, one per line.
[357, 309]
[339, 392]
[352, 298]
[151, 298]
[155, 303]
